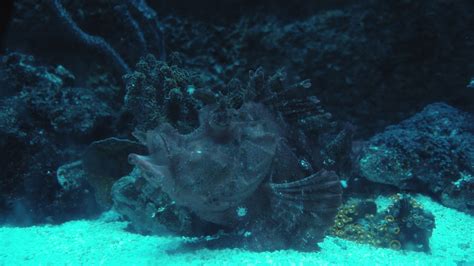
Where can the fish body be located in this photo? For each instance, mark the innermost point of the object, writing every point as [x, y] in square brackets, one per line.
[237, 168]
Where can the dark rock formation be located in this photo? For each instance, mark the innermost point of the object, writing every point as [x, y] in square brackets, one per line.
[104, 162]
[431, 152]
[370, 63]
[43, 121]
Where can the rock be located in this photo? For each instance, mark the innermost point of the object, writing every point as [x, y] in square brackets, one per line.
[106, 161]
[368, 64]
[460, 194]
[71, 176]
[75, 190]
[43, 120]
[431, 152]
[47, 97]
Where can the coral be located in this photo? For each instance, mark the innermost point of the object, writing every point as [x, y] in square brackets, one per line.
[157, 92]
[90, 40]
[403, 225]
[146, 17]
[395, 244]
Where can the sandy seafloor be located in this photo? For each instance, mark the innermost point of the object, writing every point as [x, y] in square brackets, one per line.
[101, 242]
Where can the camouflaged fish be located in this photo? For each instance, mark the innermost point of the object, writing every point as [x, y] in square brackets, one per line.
[238, 170]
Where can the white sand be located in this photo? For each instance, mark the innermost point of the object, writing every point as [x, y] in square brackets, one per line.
[106, 243]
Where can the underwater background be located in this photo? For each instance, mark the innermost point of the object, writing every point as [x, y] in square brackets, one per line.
[236, 132]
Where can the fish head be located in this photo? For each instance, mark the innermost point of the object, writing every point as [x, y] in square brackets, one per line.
[202, 172]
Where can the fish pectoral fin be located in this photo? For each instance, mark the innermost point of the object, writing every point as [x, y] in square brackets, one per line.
[320, 192]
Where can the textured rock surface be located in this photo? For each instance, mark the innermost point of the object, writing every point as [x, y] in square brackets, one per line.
[371, 63]
[43, 119]
[431, 152]
[104, 162]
